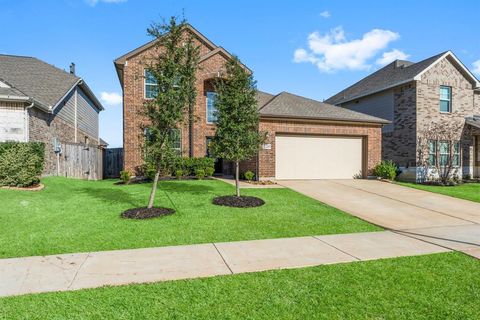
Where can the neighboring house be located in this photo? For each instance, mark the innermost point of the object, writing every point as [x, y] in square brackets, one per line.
[412, 96]
[39, 102]
[306, 139]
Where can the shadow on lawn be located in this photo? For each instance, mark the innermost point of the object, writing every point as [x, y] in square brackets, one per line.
[187, 187]
[113, 196]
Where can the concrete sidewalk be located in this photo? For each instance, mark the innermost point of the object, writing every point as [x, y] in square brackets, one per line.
[90, 270]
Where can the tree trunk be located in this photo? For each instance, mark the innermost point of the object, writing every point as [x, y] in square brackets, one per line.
[237, 179]
[154, 189]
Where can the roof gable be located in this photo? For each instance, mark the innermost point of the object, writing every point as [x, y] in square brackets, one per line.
[121, 60]
[213, 50]
[395, 74]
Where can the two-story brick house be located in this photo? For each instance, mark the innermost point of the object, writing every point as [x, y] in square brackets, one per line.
[412, 96]
[306, 139]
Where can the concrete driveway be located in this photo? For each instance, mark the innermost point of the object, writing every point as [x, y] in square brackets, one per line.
[443, 220]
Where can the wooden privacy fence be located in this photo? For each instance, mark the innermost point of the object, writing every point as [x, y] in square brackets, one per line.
[80, 161]
[112, 162]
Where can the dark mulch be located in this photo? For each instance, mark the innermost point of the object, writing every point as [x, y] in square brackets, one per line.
[145, 213]
[238, 202]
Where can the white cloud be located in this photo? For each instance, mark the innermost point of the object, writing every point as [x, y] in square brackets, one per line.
[476, 67]
[325, 14]
[111, 99]
[391, 56]
[93, 3]
[331, 51]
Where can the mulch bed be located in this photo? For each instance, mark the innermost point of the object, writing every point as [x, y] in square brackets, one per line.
[145, 213]
[238, 202]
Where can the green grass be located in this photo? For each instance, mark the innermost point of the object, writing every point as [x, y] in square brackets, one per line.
[467, 191]
[440, 286]
[81, 216]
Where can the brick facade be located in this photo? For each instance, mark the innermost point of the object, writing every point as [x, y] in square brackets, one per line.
[44, 127]
[133, 101]
[463, 105]
[399, 145]
[416, 107]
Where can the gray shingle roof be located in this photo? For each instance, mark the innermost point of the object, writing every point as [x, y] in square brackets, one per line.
[287, 105]
[36, 79]
[391, 75]
[11, 92]
[263, 98]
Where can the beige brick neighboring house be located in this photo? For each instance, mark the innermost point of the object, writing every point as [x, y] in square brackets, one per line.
[409, 95]
[305, 138]
[39, 102]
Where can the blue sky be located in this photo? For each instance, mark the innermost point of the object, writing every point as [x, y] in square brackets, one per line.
[311, 48]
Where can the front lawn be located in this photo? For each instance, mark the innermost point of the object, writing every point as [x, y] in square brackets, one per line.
[467, 191]
[80, 216]
[440, 286]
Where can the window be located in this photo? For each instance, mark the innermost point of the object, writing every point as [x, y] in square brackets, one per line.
[176, 137]
[445, 99]
[151, 85]
[432, 152]
[456, 154]
[211, 110]
[444, 152]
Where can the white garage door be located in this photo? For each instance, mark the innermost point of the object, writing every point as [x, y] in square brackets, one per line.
[315, 157]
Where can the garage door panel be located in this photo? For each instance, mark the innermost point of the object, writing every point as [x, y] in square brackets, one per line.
[315, 157]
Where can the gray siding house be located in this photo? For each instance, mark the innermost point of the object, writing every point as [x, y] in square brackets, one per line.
[412, 96]
[39, 102]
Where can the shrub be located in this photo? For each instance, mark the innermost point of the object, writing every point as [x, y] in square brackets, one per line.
[209, 171]
[200, 174]
[386, 170]
[125, 176]
[249, 175]
[179, 174]
[21, 163]
[189, 166]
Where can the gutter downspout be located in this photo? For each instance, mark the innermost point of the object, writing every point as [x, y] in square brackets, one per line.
[27, 122]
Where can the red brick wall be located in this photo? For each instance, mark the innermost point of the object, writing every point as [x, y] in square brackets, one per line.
[133, 91]
[372, 134]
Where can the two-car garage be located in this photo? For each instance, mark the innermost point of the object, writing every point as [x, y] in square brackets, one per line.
[309, 139]
[318, 157]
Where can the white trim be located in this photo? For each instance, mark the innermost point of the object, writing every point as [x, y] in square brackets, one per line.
[418, 77]
[13, 98]
[52, 108]
[4, 85]
[145, 85]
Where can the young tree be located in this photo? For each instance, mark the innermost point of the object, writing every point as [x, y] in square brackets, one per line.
[237, 137]
[173, 67]
[438, 150]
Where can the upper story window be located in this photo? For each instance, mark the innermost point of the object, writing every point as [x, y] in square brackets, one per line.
[445, 99]
[211, 109]
[151, 85]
